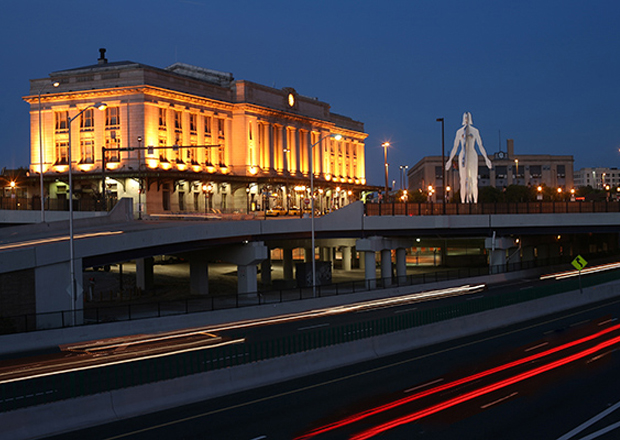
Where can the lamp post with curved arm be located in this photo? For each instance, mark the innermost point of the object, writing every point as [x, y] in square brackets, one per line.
[98, 106]
[55, 84]
[337, 137]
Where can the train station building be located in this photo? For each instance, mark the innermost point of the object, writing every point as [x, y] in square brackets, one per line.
[187, 139]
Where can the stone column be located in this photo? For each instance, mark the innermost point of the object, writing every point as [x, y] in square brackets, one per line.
[246, 278]
[370, 271]
[265, 271]
[144, 273]
[386, 267]
[199, 274]
[308, 254]
[401, 265]
[287, 263]
[346, 258]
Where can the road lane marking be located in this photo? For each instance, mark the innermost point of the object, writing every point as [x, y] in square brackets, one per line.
[608, 321]
[406, 310]
[537, 346]
[590, 422]
[474, 297]
[601, 432]
[354, 375]
[310, 327]
[499, 400]
[260, 437]
[424, 385]
[579, 323]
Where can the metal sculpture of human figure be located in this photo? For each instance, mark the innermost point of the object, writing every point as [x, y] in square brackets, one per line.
[466, 138]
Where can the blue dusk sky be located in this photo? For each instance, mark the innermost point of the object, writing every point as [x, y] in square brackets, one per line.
[544, 73]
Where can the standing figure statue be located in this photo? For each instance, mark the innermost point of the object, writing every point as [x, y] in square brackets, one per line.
[466, 138]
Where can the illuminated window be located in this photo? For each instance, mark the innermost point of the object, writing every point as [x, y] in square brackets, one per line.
[62, 121]
[62, 153]
[112, 119]
[114, 143]
[220, 128]
[162, 119]
[192, 123]
[87, 147]
[87, 122]
[178, 122]
[208, 126]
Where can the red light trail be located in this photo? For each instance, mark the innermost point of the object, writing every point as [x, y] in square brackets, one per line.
[470, 395]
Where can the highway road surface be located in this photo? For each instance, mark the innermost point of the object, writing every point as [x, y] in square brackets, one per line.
[552, 378]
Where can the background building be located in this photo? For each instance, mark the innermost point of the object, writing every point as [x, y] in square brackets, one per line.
[508, 169]
[186, 138]
[597, 178]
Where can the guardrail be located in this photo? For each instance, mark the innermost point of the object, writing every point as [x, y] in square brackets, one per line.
[431, 208]
[73, 384]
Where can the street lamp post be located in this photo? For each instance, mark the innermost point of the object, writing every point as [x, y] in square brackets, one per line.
[337, 137]
[443, 167]
[385, 146]
[98, 106]
[55, 84]
[140, 184]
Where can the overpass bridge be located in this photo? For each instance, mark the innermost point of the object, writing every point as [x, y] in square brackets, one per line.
[35, 259]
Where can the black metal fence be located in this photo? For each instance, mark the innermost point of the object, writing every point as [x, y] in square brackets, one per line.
[430, 208]
[134, 311]
[34, 204]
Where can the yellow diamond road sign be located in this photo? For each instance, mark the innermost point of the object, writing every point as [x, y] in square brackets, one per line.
[579, 262]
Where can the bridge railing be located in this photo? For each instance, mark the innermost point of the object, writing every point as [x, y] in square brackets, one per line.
[34, 204]
[433, 208]
[52, 388]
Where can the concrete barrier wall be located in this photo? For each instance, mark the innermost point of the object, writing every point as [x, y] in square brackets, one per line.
[79, 413]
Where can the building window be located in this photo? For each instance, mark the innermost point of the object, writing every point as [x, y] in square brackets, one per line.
[112, 119]
[87, 147]
[87, 122]
[162, 119]
[562, 171]
[62, 121]
[178, 122]
[220, 128]
[192, 123]
[62, 153]
[535, 171]
[112, 142]
[208, 127]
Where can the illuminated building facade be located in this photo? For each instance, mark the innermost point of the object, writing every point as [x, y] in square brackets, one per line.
[194, 139]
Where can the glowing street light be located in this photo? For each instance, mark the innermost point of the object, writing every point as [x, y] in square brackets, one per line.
[385, 146]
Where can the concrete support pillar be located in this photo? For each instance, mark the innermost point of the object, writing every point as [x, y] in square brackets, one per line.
[144, 273]
[497, 248]
[287, 263]
[386, 267]
[246, 278]
[325, 254]
[362, 262]
[246, 256]
[53, 293]
[401, 265]
[497, 261]
[370, 271]
[198, 275]
[346, 258]
[265, 271]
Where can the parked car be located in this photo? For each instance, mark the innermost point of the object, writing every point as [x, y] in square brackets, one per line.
[276, 211]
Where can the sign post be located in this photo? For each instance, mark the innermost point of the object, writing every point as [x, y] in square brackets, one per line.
[579, 263]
